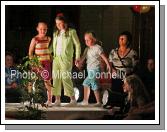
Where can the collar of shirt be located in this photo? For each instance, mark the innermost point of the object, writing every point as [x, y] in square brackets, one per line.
[62, 32]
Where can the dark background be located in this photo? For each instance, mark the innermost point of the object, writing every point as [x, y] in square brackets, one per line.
[107, 21]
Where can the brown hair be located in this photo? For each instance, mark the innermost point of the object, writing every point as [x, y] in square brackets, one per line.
[61, 17]
[138, 88]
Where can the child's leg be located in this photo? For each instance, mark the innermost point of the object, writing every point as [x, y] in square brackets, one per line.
[86, 94]
[49, 90]
[47, 66]
[86, 85]
[72, 98]
[72, 103]
[57, 99]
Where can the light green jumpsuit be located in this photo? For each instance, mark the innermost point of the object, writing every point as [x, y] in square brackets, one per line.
[62, 64]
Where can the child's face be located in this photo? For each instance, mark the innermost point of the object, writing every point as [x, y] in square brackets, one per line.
[60, 24]
[89, 40]
[42, 29]
[8, 61]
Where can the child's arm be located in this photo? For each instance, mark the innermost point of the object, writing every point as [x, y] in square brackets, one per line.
[31, 48]
[77, 47]
[50, 47]
[106, 61]
[50, 44]
[84, 55]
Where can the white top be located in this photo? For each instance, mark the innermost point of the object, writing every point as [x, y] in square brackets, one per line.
[93, 56]
[59, 47]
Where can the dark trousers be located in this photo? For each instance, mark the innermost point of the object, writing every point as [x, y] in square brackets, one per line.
[117, 96]
[117, 86]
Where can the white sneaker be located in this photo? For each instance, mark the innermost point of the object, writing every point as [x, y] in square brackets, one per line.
[84, 103]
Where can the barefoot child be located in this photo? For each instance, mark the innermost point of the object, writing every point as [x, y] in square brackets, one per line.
[39, 44]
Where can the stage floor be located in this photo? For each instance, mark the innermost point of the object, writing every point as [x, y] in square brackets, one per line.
[61, 113]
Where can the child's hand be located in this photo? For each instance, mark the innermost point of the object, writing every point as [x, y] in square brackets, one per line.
[77, 61]
[79, 64]
[30, 57]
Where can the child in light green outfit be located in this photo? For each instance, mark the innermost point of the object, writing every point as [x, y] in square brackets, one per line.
[63, 41]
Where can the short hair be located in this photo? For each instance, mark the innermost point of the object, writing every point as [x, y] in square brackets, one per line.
[91, 32]
[129, 37]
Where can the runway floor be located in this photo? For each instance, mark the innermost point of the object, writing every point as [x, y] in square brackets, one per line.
[61, 113]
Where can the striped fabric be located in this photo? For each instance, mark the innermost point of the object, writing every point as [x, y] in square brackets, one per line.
[42, 50]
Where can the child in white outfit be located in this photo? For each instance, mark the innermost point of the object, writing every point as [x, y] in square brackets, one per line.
[92, 53]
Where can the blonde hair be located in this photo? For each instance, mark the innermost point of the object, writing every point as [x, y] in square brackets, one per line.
[93, 35]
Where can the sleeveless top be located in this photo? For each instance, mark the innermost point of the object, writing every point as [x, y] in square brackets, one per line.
[41, 49]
